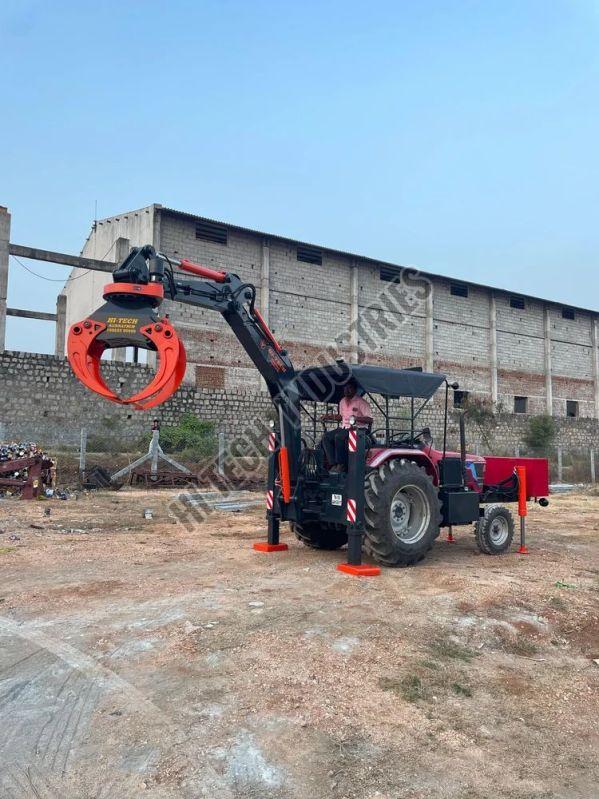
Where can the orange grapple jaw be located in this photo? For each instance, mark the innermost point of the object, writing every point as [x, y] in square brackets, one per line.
[90, 338]
[84, 352]
[169, 386]
[162, 335]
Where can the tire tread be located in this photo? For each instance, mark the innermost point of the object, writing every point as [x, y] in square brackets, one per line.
[378, 542]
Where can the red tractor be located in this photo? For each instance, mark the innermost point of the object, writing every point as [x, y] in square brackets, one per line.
[411, 489]
[396, 491]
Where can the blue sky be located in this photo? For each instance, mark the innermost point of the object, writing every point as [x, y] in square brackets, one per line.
[460, 137]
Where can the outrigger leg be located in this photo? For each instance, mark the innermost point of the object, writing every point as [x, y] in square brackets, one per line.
[354, 507]
[272, 543]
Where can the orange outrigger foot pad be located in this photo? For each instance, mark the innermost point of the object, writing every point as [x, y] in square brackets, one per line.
[263, 546]
[359, 571]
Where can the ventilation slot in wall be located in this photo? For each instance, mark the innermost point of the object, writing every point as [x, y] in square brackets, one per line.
[568, 313]
[390, 273]
[207, 231]
[458, 289]
[520, 404]
[460, 398]
[517, 302]
[309, 255]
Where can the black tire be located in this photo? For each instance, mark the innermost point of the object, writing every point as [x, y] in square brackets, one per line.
[495, 530]
[320, 535]
[384, 513]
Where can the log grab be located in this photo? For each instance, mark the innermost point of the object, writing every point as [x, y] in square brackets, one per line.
[130, 317]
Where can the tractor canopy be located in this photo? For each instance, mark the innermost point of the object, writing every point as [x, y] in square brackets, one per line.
[325, 383]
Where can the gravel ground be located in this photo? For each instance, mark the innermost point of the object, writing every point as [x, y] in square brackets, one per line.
[138, 658]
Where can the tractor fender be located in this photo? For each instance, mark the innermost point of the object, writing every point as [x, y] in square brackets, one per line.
[383, 456]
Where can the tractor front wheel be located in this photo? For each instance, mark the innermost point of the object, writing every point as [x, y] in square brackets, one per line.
[320, 535]
[402, 513]
[495, 530]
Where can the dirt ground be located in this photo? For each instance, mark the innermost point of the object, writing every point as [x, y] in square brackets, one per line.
[138, 658]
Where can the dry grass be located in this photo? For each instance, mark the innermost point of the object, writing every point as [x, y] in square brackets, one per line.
[466, 677]
[449, 649]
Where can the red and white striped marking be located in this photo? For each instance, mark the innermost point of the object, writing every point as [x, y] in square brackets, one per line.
[272, 442]
[351, 510]
[269, 500]
[352, 441]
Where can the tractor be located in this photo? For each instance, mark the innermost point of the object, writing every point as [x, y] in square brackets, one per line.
[397, 490]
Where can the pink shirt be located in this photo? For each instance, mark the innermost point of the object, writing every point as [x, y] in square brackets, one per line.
[356, 406]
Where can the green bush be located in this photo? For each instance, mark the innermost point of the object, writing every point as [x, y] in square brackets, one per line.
[540, 434]
[192, 437]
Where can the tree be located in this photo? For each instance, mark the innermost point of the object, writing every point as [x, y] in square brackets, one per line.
[540, 433]
[480, 412]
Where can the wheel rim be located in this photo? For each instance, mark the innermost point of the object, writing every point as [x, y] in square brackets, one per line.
[499, 531]
[410, 514]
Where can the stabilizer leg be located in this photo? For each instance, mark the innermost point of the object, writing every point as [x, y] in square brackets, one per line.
[272, 544]
[354, 517]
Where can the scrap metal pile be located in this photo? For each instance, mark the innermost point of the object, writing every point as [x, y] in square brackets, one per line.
[16, 450]
[25, 469]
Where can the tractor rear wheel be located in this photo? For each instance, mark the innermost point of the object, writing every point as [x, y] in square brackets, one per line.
[495, 530]
[402, 513]
[320, 535]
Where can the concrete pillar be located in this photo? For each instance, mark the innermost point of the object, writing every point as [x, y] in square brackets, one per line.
[429, 330]
[4, 240]
[354, 309]
[548, 380]
[122, 248]
[221, 454]
[265, 280]
[82, 454]
[595, 340]
[151, 357]
[61, 326]
[560, 465]
[493, 349]
[264, 298]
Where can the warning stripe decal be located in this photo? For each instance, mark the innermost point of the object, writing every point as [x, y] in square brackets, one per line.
[272, 442]
[352, 441]
[351, 510]
[269, 500]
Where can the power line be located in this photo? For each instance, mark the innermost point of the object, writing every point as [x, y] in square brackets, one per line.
[49, 279]
[60, 279]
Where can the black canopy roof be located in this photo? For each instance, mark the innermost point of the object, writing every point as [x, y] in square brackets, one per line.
[325, 383]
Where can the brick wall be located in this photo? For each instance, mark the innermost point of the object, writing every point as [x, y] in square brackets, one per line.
[310, 308]
[309, 311]
[42, 401]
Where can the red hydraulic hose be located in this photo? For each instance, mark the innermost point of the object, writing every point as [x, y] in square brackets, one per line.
[267, 331]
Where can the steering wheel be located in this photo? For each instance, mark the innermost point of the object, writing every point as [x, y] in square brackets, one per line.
[404, 439]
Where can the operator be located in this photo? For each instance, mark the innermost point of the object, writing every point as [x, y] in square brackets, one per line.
[334, 442]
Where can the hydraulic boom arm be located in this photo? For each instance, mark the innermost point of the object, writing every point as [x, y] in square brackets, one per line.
[130, 317]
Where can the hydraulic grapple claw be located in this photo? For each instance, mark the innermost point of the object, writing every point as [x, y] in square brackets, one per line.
[128, 319]
[164, 340]
[85, 351]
